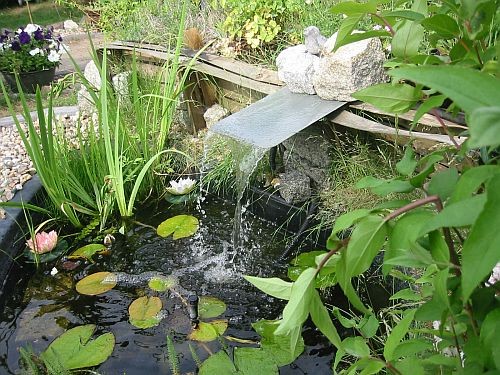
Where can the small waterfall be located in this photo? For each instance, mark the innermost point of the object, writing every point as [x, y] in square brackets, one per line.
[246, 158]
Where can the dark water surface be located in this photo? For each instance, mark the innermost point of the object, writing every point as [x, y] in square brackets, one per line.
[37, 307]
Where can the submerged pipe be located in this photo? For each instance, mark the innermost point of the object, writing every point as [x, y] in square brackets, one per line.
[193, 309]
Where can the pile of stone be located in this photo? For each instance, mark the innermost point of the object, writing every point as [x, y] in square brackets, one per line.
[314, 68]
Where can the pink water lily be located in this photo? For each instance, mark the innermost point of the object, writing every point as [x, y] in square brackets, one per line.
[44, 242]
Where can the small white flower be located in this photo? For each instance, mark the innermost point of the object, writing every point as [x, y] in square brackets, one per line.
[35, 51]
[54, 56]
[53, 271]
[31, 28]
[181, 187]
[377, 27]
[387, 28]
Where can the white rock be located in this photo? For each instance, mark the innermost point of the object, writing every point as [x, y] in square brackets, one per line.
[351, 68]
[296, 69]
[84, 99]
[214, 114]
[70, 25]
[313, 40]
[93, 75]
[121, 83]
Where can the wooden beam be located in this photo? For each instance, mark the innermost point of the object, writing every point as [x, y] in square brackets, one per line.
[422, 141]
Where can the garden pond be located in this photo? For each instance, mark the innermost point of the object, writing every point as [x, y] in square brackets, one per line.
[38, 305]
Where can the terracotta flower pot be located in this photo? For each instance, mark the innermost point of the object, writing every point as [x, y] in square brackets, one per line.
[30, 80]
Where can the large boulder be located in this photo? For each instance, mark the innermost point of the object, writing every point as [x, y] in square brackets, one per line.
[296, 69]
[214, 114]
[355, 66]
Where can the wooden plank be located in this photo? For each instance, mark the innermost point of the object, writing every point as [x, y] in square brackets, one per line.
[425, 120]
[254, 72]
[423, 141]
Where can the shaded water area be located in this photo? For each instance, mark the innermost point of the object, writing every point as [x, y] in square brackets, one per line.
[36, 309]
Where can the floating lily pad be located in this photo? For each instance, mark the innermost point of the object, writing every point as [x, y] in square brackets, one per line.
[59, 250]
[251, 361]
[210, 307]
[96, 283]
[162, 283]
[143, 312]
[218, 363]
[206, 332]
[74, 349]
[88, 251]
[180, 226]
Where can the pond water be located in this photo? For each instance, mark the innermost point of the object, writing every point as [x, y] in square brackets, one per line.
[38, 308]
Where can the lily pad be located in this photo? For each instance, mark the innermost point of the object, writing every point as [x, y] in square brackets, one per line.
[143, 312]
[88, 251]
[218, 363]
[59, 250]
[251, 361]
[74, 349]
[96, 283]
[206, 332]
[210, 307]
[180, 226]
[162, 283]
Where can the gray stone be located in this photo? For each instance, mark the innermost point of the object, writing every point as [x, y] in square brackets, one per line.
[294, 187]
[70, 25]
[296, 69]
[84, 99]
[92, 74]
[313, 40]
[319, 176]
[351, 68]
[214, 114]
[121, 82]
[312, 145]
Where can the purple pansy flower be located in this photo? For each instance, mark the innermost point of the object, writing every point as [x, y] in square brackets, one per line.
[38, 34]
[15, 46]
[24, 37]
[48, 35]
[3, 38]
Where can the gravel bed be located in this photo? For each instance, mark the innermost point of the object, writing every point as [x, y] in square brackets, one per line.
[15, 164]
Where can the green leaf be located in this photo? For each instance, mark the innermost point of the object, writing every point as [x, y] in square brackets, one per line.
[74, 349]
[407, 39]
[440, 283]
[395, 98]
[251, 361]
[162, 283]
[430, 161]
[218, 363]
[297, 308]
[351, 8]
[439, 248]
[368, 326]
[442, 24]
[346, 28]
[405, 14]
[143, 312]
[384, 187]
[278, 347]
[348, 219]
[96, 283]
[443, 183]
[484, 127]
[88, 251]
[210, 307]
[406, 294]
[366, 241]
[397, 334]
[181, 226]
[403, 235]
[411, 347]
[468, 88]
[273, 286]
[472, 179]
[407, 165]
[480, 252]
[321, 319]
[460, 214]
[490, 329]
[356, 346]
[206, 332]
[435, 101]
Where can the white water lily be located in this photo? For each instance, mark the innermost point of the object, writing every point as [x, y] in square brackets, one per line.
[54, 56]
[181, 187]
[53, 271]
